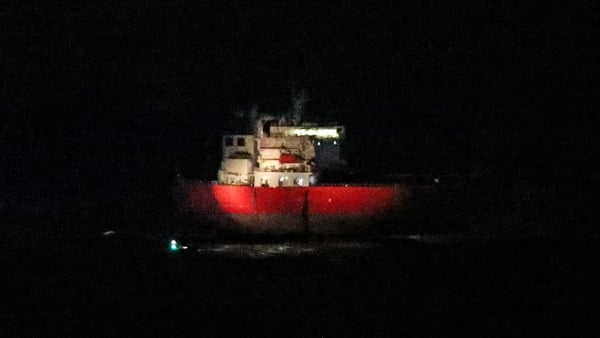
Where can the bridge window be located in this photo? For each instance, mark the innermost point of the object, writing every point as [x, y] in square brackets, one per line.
[241, 142]
[229, 141]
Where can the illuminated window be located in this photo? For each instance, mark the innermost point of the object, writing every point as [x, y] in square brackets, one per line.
[298, 181]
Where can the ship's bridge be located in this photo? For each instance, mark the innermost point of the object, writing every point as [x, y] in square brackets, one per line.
[239, 153]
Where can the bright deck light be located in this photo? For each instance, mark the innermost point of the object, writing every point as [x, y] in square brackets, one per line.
[318, 132]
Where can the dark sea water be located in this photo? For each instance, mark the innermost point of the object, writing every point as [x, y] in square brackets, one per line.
[116, 283]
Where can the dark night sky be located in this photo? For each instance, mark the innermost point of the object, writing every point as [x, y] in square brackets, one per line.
[102, 99]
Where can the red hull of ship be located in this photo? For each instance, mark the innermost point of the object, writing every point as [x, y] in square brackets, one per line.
[319, 209]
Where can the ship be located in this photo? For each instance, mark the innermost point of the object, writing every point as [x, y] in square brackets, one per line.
[271, 181]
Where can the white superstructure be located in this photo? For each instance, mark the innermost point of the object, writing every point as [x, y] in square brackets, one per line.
[279, 154]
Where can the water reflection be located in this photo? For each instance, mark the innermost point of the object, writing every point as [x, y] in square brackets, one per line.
[287, 249]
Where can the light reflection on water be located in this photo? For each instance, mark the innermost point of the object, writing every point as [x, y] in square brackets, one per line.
[323, 248]
[211, 246]
[437, 238]
[286, 249]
